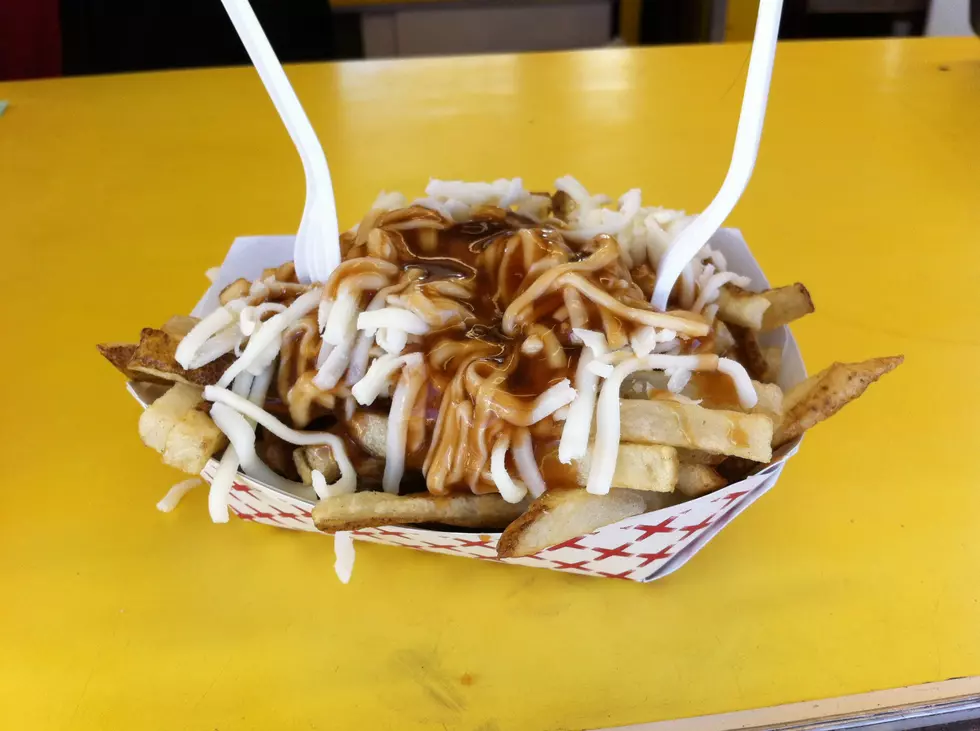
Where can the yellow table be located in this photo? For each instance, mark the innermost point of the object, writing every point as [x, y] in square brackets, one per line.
[859, 571]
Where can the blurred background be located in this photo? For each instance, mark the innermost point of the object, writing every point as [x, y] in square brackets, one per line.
[43, 38]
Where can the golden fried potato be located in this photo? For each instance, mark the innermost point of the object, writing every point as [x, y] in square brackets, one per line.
[695, 480]
[639, 467]
[737, 306]
[560, 515]
[785, 305]
[734, 469]
[179, 325]
[286, 272]
[370, 431]
[774, 363]
[165, 413]
[823, 395]
[236, 290]
[724, 340]
[659, 500]
[696, 456]
[748, 351]
[119, 355]
[307, 459]
[716, 391]
[155, 357]
[303, 467]
[193, 441]
[695, 427]
[372, 509]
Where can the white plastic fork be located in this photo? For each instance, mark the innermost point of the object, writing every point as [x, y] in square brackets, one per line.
[744, 154]
[317, 246]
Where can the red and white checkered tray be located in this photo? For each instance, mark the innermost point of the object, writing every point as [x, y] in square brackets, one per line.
[642, 548]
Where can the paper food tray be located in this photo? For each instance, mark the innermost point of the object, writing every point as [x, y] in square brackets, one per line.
[641, 548]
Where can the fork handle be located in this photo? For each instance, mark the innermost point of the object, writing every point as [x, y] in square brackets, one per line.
[318, 182]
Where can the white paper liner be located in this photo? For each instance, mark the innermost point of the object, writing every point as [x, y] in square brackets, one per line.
[642, 548]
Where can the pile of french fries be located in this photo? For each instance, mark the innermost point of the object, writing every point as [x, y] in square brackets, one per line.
[671, 449]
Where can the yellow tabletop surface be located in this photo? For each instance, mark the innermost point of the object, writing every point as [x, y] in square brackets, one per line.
[859, 571]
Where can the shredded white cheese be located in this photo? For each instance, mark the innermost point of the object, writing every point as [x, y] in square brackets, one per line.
[269, 334]
[346, 483]
[606, 448]
[176, 493]
[552, 399]
[343, 547]
[401, 408]
[374, 381]
[527, 465]
[391, 317]
[508, 489]
[192, 342]
[574, 441]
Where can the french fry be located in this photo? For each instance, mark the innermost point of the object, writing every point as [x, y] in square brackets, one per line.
[322, 459]
[650, 467]
[774, 363]
[786, 304]
[823, 395]
[639, 466]
[694, 427]
[724, 340]
[659, 500]
[560, 515]
[696, 456]
[770, 401]
[371, 509]
[276, 453]
[695, 480]
[236, 290]
[716, 391]
[307, 459]
[737, 306]
[193, 441]
[119, 355]
[286, 272]
[734, 469]
[749, 351]
[370, 431]
[155, 357]
[165, 413]
[303, 467]
[179, 325]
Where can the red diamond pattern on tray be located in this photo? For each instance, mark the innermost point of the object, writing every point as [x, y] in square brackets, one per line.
[631, 549]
